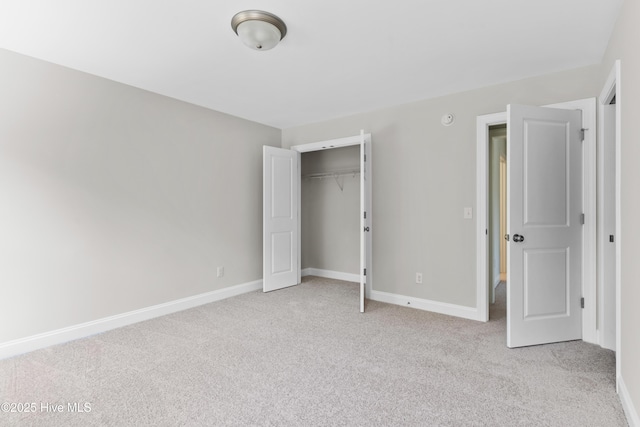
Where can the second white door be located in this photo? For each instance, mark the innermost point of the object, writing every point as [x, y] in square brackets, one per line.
[281, 226]
[544, 218]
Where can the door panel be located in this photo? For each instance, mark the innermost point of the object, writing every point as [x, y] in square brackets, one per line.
[545, 150]
[280, 218]
[544, 278]
[545, 283]
[281, 170]
[281, 243]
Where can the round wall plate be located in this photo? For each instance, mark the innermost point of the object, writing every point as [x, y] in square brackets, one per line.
[447, 119]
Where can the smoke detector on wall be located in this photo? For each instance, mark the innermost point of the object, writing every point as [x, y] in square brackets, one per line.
[447, 119]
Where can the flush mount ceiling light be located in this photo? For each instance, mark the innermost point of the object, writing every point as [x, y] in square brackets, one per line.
[257, 29]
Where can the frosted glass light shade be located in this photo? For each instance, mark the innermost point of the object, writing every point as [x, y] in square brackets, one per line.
[258, 29]
[259, 35]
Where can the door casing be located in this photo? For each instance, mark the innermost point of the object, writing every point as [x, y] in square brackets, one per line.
[611, 89]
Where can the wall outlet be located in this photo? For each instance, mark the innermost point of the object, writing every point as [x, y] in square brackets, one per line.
[220, 271]
[419, 278]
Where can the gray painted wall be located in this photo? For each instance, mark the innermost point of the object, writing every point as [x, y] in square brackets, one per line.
[103, 209]
[114, 199]
[624, 46]
[424, 175]
[330, 216]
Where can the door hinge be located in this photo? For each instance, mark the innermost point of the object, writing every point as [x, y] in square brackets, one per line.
[365, 158]
[582, 219]
[582, 302]
[582, 134]
[365, 271]
[365, 214]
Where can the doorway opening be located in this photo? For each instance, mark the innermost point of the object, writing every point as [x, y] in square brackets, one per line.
[497, 227]
[503, 218]
[363, 142]
[330, 213]
[282, 182]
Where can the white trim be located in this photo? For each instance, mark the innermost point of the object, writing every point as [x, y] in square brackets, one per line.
[328, 274]
[614, 78]
[411, 302]
[427, 305]
[627, 404]
[369, 190]
[59, 336]
[610, 90]
[602, 232]
[332, 143]
[589, 332]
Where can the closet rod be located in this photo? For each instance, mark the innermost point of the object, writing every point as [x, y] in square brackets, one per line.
[334, 174]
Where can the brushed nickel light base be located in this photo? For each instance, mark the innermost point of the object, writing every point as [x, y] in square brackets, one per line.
[258, 18]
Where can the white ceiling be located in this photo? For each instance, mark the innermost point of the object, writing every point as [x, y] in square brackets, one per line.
[339, 56]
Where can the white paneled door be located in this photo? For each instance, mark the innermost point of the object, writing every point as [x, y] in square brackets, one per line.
[544, 219]
[280, 218]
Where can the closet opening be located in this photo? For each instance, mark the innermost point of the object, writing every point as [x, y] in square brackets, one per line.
[330, 213]
[335, 172]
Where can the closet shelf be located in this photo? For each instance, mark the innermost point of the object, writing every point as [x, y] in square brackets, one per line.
[337, 175]
[334, 174]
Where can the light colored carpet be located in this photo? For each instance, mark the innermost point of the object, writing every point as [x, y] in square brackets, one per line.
[304, 356]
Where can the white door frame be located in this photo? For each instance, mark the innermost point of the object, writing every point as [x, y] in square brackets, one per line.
[588, 107]
[337, 143]
[612, 89]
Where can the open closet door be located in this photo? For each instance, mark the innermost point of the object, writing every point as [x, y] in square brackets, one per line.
[281, 196]
[365, 213]
[544, 219]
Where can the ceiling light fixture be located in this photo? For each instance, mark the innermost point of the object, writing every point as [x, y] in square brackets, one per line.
[257, 29]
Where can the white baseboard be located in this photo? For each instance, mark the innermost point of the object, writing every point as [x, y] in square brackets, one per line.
[421, 304]
[328, 274]
[496, 281]
[627, 404]
[427, 305]
[35, 342]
